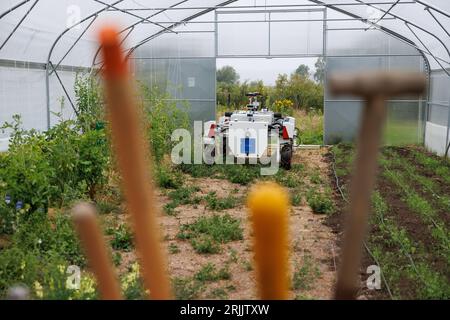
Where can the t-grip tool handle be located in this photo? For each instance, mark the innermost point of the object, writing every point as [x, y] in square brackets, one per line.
[375, 88]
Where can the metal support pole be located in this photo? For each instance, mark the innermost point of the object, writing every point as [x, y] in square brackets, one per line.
[74, 44]
[65, 91]
[447, 143]
[136, 16]
[8, 11]
[47, 68]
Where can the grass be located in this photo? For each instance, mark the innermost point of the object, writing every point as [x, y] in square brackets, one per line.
[240, 174]
[219, 204]
[181, 196]
[310, 127]
[186, 288]
[321, 202]
[206, 234]
[209, 273]
[105, 207]
[305, 276]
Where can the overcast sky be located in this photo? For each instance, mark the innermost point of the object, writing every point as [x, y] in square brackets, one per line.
[265, 69]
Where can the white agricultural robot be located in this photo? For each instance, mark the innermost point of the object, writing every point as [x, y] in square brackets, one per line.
[249, 136]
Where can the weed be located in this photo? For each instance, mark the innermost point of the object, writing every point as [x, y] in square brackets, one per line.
[248, 266]
[287, 179]
[209, 273]
[315, 177]
[117, 258]
[173, 248]
[233, 256]
[218, 204]
[241, 174]
[219, 293]
[207, 233]
[296, 198]
[186, 288]
[122, 238]
[105, 207]
[169, 208]
[168, 178]
[181, 196]
[305, 276]
[205, 244]
[320, 202]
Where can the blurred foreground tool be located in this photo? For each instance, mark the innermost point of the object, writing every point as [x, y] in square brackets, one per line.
[132, 152]
[269, 205]
[84, 217]
[375, 88]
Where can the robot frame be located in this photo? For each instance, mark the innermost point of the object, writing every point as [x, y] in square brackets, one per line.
[249, 136]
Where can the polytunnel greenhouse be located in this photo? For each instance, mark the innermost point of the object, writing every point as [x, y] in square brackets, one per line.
[348, 102]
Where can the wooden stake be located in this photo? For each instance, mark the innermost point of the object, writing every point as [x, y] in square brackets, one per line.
[84, 217]
[132, 152]
[269, 205]
[375, 88]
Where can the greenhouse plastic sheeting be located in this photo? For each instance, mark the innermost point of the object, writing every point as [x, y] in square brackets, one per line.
[375, 51]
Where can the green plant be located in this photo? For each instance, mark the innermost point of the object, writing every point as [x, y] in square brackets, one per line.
[181, 196]
[173, 248]
[248, 265]
[296, 198]
[219, 293]
[132, 284]
[287, 179]
[122, 238]
[162, 116]
[167, 177]
[105, 207]
[218, 204]
[305, 276]
[186, 288]
[209, 273]
[320, 202]
[205, 244]
[207, 233]
[89, 102]
[117, 258]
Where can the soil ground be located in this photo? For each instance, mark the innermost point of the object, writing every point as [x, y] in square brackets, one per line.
[310, 238]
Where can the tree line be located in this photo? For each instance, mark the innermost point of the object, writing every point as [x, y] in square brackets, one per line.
[302, 88]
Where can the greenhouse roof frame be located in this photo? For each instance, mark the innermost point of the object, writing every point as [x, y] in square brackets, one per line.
[341, 7]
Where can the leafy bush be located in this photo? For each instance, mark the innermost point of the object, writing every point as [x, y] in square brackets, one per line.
[38, 256]
[284, 106]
